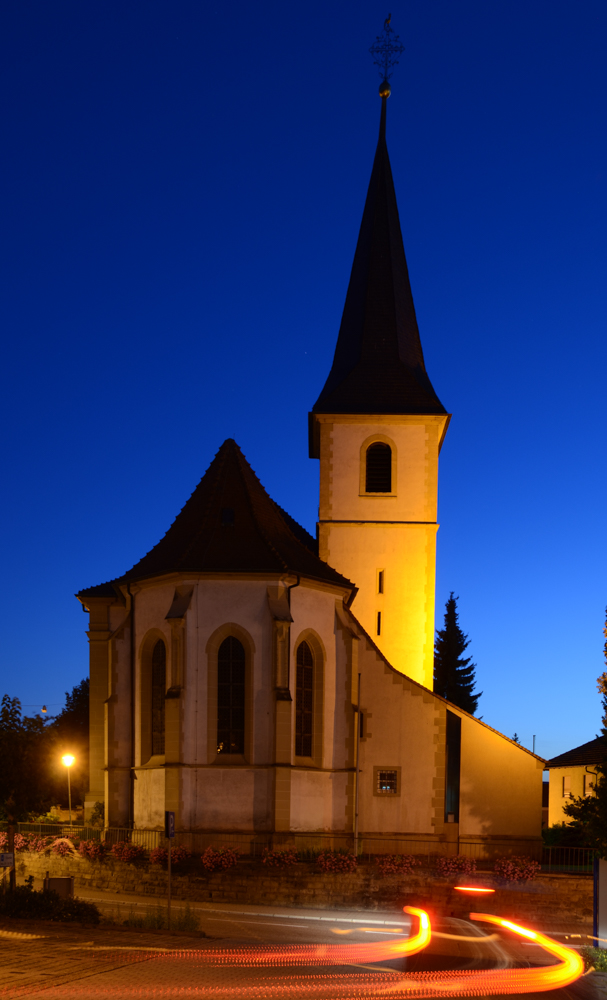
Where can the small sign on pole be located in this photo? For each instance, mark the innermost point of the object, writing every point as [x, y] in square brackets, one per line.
[7, 860]
[169, 825]
[169, 832]
[600, 902]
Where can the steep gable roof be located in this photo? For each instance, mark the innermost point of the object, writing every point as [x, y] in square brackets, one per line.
[230, 525]
[379, 363]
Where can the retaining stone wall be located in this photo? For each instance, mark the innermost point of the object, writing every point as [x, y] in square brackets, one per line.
[551, 901]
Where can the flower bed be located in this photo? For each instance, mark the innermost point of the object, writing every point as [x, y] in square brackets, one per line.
[160, 855]
[396, 864]
[336, 862]
[124, 851]
[94, 850]
[455, 864]
[516, 869]
[279, 859]
[219, 858]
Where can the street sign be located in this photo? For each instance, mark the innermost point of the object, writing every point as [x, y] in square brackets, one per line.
[7, 860]
[169, 825]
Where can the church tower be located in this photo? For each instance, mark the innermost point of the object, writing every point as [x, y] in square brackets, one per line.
[377, 428]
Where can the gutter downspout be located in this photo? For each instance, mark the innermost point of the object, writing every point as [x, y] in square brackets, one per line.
[289, 589]
[132, 765]
[356, 772]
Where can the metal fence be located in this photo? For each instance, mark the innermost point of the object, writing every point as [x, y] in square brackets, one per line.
[573, 860]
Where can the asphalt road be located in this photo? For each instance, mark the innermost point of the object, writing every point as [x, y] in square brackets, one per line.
[82, 963]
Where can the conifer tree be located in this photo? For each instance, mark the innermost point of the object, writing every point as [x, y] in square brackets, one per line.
[454, 677]
[589, 812]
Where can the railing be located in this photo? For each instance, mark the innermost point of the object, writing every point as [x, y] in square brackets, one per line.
[573, 860]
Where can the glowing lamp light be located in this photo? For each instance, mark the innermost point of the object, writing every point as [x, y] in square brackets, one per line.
[68, 759]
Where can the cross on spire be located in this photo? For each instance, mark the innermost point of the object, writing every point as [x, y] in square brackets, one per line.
[385, 50]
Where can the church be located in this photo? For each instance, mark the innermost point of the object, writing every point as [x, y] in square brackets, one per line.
[255, 679]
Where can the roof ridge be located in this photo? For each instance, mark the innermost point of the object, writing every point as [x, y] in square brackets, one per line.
[244, 468]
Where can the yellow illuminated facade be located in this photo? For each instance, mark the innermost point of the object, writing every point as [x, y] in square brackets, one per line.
[385, 541]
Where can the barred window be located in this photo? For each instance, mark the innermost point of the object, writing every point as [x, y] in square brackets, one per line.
[378, 478]
[230, 696]
[387, 782]
[304, 701]
[159, 671]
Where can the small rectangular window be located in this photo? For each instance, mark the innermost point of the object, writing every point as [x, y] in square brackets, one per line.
[588, 783]
[361, 725]
[379, 622]
[380, 581]
[566, 788]
[387, 782]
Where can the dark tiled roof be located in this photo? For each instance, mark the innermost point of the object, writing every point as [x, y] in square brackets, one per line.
[262, 538]
[593, 752]
[379, 364]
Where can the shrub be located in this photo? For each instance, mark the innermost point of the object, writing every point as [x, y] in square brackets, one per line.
[336, 862]
[594, 958]
[62, 846]
[94, 850]
[180, 854]
[222, 857]
[396, 864]
[160, 855]
[455, 864]
[21, 842]
[516, 869]
[38, 844]
[127, 852]
[279, 859]
[33, 904]
[98, 815]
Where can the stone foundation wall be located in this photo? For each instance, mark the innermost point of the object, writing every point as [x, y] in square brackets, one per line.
[551, 901]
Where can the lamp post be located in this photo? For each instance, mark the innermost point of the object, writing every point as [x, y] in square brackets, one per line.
[68, 760]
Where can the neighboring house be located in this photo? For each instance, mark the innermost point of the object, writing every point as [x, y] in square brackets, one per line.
[572, 775]
[241, 665]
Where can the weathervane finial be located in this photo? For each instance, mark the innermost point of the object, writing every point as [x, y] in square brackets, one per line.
[385, 50]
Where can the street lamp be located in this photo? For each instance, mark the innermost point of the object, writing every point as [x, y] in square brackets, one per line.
[68, 760]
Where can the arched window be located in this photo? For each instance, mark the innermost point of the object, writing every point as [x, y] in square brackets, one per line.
[304, 701]
[230, 696]
[159, 674]
[378, 473]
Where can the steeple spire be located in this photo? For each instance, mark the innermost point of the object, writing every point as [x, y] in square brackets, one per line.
[378, 366]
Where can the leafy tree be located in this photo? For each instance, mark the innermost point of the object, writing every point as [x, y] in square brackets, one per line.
[25, 750]
[24, 757]
[70, 730]
[454, 677]
[589, 813]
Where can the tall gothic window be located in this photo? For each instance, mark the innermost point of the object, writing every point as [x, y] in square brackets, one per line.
[159, 674]
[304, 701]
[378, 472]
[230, 696]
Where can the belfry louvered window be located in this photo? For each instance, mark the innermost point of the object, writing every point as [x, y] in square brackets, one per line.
[304, 701]
[159, 675]
[378, 472]
[230, 696]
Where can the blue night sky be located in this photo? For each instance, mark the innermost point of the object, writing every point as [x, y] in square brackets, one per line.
[183, 184]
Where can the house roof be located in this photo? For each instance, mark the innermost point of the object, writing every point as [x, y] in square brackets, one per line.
[230, 524]
[379, 364]
[593, 752]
